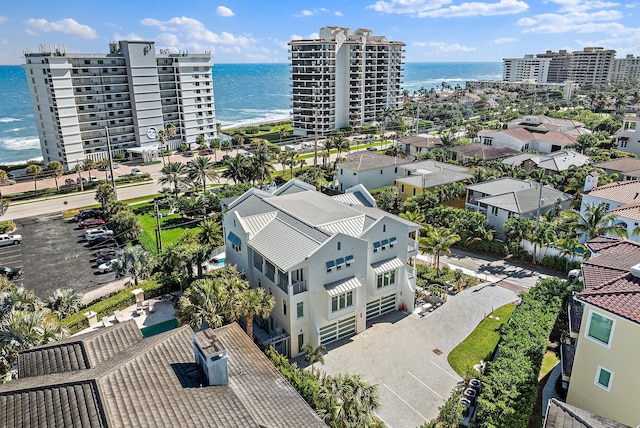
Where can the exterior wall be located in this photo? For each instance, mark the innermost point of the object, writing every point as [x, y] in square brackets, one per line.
[76, 96]
[499, 139]
[591, 65]
[620, 403]
[527, 68]
[628, 137]
[370, 179]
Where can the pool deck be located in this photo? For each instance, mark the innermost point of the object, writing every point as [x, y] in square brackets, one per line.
[164, 311]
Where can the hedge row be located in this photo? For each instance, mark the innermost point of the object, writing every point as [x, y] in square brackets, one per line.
[7, 226]
[117, 301]
[510, 384]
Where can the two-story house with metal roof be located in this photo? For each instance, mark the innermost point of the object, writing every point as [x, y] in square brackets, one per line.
[331, 263]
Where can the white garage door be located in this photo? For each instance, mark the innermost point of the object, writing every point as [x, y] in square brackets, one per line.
[383, 305]
[338, 330]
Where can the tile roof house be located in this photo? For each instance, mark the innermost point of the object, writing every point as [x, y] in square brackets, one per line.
[371, 169]
[468, 152]
[552, 163]
[540, 133]
[604, 372]
[501, 199]
[419, 176]
[331, 263]
[112, 377]
[628, 169]
[563, 415]
[622, 198]
[413, 145]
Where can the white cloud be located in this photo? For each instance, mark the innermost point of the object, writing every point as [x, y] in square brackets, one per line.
[130, 36]
[444, 9]
[66, 26]
[338, 13]
[3, 19]
[445, 48]
[30, 32]
[307, 12]
[192, 33]
[503, 40]
[296, 37]
[224, 11]
[581, 22]
[582, 5]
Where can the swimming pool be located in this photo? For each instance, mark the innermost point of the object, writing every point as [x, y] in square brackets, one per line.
[152, 330]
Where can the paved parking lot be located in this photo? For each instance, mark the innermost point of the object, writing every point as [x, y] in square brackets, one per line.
[406, 356]
[52, 255]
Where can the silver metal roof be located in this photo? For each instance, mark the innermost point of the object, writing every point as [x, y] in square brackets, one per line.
[313, 208]
[255, 223]
[387, 265]
[342, 286]
[351, 227]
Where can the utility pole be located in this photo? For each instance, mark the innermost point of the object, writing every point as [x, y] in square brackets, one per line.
[158, 234]
[110, 157]
[535, 233]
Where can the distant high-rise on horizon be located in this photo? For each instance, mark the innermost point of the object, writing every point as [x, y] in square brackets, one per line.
[131, 90]
[343, 79]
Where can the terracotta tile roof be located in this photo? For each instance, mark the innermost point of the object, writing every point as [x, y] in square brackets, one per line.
[609, 283]
[630, 166]
[155, 382]
[625, 192]
[631, 211]
[482, 151]
[595, 245]
[519, 133]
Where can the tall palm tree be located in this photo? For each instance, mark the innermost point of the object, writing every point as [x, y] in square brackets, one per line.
[135, 261]
[261, 165]
[64, 302]
[595, 221]
[313, 355]
[89, 164]
[200, 170]
[211, 233]
[235, 168]
[174, 173]
[215, 145]
[255, 302]
[413, 216]
[57, 169]
[347, 400]
[162, 137]
[226, 146]
[34, 170]
[438, 241]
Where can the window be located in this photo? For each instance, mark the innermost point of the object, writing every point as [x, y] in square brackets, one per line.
[494, 211]
[284, 307]
[348, 260]
[339, 246]
[300, 309]
[600, 328]
[603, 378]
[330, 265]
[413, 192]
[236, 244]
[402, 188]
[381, 172]
[339, 263]
[386, 278]
[384, 228]
[341, 301]
[300, 342]
[376, 246]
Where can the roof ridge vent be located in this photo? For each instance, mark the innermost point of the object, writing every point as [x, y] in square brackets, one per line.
[635, 270]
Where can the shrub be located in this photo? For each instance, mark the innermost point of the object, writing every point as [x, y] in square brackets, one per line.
[7, 226]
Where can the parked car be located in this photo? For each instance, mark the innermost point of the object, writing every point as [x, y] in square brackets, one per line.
[92, 222]
[93, 178]
[136, 171]
[85, 214]
[70, 182]
[9, 182]
[372, 149]
[106, 267]
[8, 239]
[106, 258]
[106, 251]
[103, 240]
[91, 234]
[10, 272]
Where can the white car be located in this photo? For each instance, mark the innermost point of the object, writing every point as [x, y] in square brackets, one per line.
[7, 239]
[136, 171]
[106, 267]
[94, 233]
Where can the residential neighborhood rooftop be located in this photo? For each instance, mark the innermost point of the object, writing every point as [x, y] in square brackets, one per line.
[482, 151]
[526, 200]
[625, 192]
[629, 166]
[365, 160]
[428, 179]
[557, 161]
[420, 141]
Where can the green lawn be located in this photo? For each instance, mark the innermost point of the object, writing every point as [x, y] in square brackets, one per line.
[549, 361]
[172, 227]
[481, 342]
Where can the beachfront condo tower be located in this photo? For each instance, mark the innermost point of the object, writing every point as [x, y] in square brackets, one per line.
[138, 101]
[344, 79]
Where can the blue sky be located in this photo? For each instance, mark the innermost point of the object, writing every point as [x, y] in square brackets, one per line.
[257, 31]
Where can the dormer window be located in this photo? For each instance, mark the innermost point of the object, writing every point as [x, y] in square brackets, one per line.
[330, 265]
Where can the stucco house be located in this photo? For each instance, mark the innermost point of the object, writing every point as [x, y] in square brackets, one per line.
[470, 152]
[628, 137]
[600, 358]
[552, 163]
[414, 145]
[371, 169]
[501, 199]
[420, 176]
[627, 169]
[331, 263]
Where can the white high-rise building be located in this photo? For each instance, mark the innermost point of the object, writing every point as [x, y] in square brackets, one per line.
[591, 65]
[132, 90]
[344, 78]
[627, 68]
[528, 68]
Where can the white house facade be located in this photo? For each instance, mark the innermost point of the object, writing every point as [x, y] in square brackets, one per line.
[331, 263]
[370, 169]
[628, 137]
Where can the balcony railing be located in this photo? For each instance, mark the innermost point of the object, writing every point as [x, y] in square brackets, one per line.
[293, 288]
[411, 272]
[413, 246]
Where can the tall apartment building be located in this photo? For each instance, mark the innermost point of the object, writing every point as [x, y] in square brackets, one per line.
[344, 78]
[591, 65]
[625, 69]
[528, 68]
[132, 91]
[559, 65]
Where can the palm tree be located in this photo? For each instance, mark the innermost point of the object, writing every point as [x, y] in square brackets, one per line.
[34, 170]
[226, 146]
[413, 216]
[174, 173]
[211, 232]
[313, 355]
[595, 221]
[235, 168]
[57, 169]
[135, 261]
[340, 144]
[202, 169]
[215, 145]
[261, 165]
[255, 302]
[347, 400]
[64, 302]
[89, 164]
[436, 242]
[162, 137]
[105, 193]
[211, 301]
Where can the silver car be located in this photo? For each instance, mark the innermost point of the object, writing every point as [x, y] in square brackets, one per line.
[7, 239]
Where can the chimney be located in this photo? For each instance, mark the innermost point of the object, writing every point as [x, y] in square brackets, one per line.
[590, 181]
[635, 270]
[211, 356]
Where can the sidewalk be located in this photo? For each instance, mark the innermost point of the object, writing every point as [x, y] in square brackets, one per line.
[480, 275]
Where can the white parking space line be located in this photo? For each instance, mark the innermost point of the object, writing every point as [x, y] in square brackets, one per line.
[425, 385]
[408, 405]
[446, 371]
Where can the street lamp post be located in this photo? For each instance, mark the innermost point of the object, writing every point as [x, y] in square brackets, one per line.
[110, 157]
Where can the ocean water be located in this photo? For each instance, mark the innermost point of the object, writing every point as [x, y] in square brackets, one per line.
[244, 94]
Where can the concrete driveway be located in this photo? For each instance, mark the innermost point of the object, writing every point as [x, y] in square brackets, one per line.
[406, 356]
